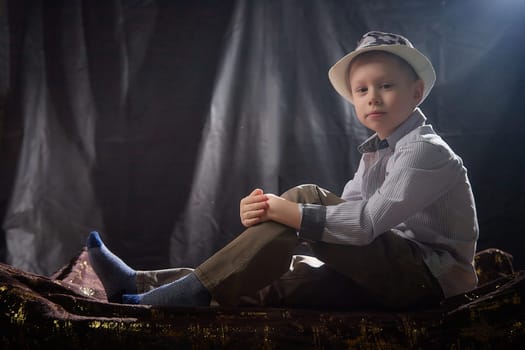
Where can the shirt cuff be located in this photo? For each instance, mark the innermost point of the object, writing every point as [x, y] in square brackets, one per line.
[313, 222]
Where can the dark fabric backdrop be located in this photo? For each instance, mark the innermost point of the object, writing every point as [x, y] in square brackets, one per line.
[149, 120]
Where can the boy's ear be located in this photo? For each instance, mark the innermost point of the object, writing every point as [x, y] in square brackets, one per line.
[419, 87]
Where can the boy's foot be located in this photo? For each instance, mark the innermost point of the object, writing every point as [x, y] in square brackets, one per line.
[116, 277]
[186, 291]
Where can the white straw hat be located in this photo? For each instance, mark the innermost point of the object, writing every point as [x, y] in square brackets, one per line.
[379, 41]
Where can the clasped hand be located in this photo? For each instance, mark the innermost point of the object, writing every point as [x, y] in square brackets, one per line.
[259, 207]
[253, 208]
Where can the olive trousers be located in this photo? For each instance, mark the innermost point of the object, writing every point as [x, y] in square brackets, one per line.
[260, 267]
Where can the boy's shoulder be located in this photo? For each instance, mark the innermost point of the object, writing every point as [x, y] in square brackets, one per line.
[426, 135]
[428, 142]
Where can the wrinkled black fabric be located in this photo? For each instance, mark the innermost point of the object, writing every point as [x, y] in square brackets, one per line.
[149, 120]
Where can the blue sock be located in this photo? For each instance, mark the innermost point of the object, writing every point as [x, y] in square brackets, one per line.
[186, 291]
[116, 277]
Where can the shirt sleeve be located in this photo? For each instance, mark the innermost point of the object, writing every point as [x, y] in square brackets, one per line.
[420, 172]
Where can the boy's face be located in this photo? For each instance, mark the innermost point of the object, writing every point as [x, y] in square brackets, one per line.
[384, 93]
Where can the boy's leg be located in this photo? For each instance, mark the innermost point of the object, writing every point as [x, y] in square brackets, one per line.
[151, 279]
[391, 270]
[252, 260]
[310, 283]
[257, 257]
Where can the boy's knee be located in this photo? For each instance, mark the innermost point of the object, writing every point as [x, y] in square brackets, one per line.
[307, 193]
[311, 194]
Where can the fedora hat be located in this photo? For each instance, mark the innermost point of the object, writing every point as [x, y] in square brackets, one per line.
[389, 42]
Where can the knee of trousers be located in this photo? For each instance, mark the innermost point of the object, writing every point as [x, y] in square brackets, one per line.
[308, 193]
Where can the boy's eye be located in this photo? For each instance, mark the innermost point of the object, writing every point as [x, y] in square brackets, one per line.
[361, 90]
[387, 85]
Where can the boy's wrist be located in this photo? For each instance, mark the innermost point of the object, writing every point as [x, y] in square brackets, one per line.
[284, 212]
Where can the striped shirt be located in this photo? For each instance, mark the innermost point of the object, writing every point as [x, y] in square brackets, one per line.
[415, 186]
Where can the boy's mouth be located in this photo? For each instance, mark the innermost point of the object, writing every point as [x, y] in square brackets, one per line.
[375, 114]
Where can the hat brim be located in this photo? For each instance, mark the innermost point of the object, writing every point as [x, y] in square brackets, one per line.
[338, 73]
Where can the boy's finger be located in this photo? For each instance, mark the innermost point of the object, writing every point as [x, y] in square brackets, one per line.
[256, 191]
[249, 215]
[250, 222]
[255, 199]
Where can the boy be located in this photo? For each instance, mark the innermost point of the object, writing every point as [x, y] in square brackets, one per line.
[403, 234]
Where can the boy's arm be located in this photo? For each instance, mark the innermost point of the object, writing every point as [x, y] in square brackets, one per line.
[421, 174]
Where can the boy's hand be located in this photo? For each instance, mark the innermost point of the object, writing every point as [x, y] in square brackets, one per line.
[259, 207]
[253, 208]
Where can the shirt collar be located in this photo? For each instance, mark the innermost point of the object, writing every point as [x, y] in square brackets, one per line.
[415, 120]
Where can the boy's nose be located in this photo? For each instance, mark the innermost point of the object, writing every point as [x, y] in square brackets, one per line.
[374, 100]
